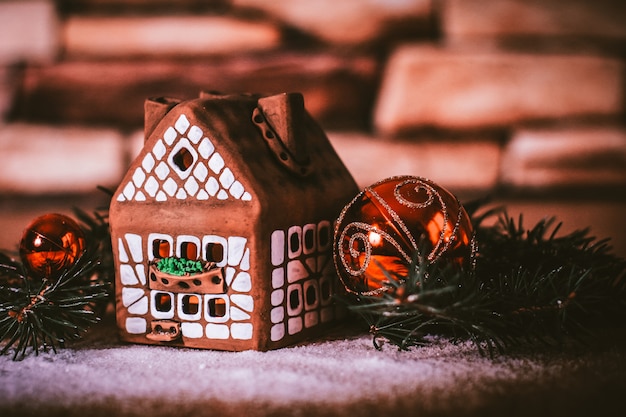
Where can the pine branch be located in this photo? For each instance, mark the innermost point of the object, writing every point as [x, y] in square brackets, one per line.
[527, 286]
[42, 314]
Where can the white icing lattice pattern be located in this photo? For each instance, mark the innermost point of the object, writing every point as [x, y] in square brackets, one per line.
[302, 279]
[184, 154]
[214, 316]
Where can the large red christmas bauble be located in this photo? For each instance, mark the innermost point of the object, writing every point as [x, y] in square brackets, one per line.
[384, 226]
[50, 245]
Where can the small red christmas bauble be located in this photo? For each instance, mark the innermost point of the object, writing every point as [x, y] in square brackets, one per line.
[385, 224]
[51, 244]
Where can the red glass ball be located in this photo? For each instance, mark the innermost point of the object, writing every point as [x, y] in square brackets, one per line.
[385, 225]
[50, 245]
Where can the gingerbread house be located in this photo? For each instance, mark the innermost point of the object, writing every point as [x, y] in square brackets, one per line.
[240, 192]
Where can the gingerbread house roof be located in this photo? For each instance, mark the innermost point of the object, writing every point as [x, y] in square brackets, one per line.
[182, 163]
[225, 148]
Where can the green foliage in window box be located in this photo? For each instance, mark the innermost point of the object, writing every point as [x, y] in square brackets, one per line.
[179, 266]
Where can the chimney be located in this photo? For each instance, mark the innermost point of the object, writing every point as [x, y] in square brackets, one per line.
[285, 115]
[154, 110]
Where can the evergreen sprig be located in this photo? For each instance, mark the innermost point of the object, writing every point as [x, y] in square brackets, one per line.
[527, 286]
[41, 313]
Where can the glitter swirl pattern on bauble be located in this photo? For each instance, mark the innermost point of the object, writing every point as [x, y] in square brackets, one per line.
[387, 223]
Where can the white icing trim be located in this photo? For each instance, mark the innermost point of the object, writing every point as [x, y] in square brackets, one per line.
[206, 148]
[277, 297]
[277, 315]
[161, 314]
[182, 124]
[227, 178]
[216, 163]
[297, 230]
[170, 135]
[160, 236]
[136, 325]
[237, 314]
[229, 275]
[139, 177]
[159, 149]
[242, 282]
[242, 331]
[141, 273]
[134, 246]
[148, 162]
[179, 307]
[296, 271]
[215, 239]
[151, 186]
[246, 302]
[245, 261]
[278, 247]
[183, 143]
[192, 330]
[277, 332]
[187, 239]
[194, 134]
[123, 256]
[294, 288]
[140, 307]
[207, 310]
[127, 275]
[236, 247]
[278, 278]
[131, 295]
[200, 172]
[312, 283]
[311, 228]
[294, 325]
[217, 331]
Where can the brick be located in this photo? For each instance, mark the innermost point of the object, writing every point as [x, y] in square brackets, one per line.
[138, 6]
[565, 157]
[8, 81]
[460, 165]
[47, 159]
[165, 35]
[346, 21]
[558, 18]
[425, 86]
[338, 90]
[28, 31]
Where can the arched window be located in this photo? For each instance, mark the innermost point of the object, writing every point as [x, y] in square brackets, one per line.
[160, 248]
[189, 250]
[217, 307]
[214, 252]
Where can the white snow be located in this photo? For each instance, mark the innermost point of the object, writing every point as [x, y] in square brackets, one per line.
[340, 373]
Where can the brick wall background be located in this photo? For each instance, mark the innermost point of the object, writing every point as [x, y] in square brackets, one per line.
[520, 99]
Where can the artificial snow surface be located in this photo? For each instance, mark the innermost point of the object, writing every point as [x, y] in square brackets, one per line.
[339, 376]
